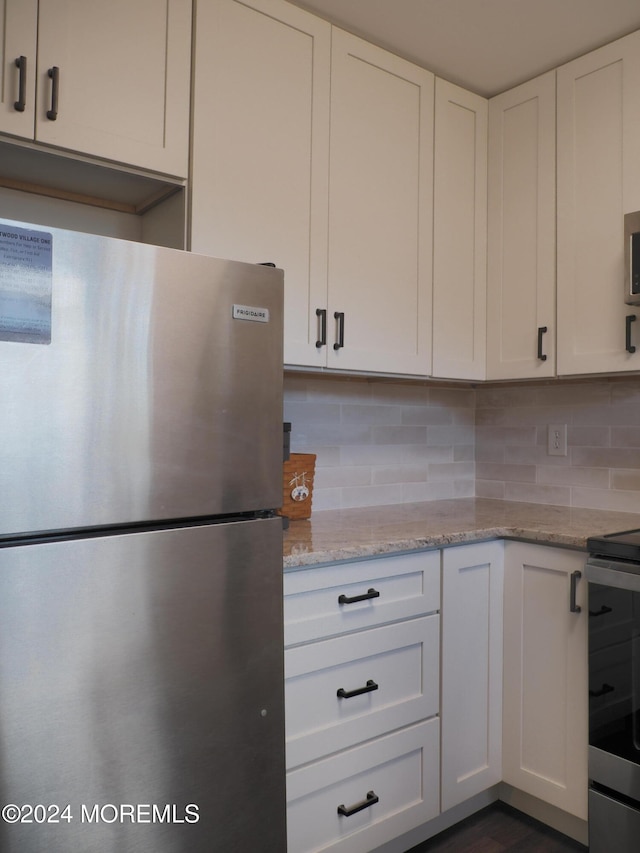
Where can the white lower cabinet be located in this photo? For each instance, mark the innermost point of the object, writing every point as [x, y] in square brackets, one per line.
[545, 707]
[472, 590]
[362, 696]
[416, 682]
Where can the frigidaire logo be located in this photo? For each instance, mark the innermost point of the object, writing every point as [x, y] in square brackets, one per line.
[250, 312]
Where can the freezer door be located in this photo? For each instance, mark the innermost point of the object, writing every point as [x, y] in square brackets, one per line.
[136, 383]
[141, 693]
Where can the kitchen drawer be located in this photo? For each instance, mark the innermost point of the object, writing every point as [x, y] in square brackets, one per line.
[400, 587]
[401, 769]
[403, 660]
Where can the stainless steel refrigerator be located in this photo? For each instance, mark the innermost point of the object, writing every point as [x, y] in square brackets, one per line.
[141, 650]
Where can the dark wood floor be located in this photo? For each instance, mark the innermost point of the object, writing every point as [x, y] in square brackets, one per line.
[496, 829]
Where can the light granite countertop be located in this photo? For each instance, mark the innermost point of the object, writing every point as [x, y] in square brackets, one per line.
[349, 534]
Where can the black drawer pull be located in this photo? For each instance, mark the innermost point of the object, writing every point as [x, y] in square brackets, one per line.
[21, 103]
[370, 593]
[371, 799]
[541, 332]
[339, 316]
[322, 340]
[369, 687]
[606, 688]
[604, 609]
[630, 318]
[54, 74]
[573, 607]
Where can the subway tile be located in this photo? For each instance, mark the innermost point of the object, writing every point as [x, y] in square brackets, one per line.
[369, 414]
[464, 453]
[625, 436]
[309, 411]
[400, 434]
[408, 394]
[419, 453]
[538, 493]
[605, 457]
[504, 397]
[398, 474]
[426, 415]
[619, 501]
[344, 475]
[490, 453]
[452, 398]
[587, 394]
[490, 489]
[627, 480]
[507, 473]
[448, 435]
[506, 435]
[594, 478]
[326, 499]
[380, 495]
[464, 488]
[372, 454]
[588, 436]
[427, 492]
[450, 471]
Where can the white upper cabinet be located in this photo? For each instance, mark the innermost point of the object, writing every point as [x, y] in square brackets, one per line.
[18, 38]
[521, 286]
[598, 182]
[380, 210]
[460, 233]
[110, 80]
[260, 166]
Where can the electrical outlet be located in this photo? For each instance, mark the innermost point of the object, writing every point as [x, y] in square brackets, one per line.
[557, 440]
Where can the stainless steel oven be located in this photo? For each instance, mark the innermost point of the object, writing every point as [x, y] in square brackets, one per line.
[613, 572]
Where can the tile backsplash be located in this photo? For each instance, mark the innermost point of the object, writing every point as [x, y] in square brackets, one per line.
[385, 442]
[381, 442]
[602, 467]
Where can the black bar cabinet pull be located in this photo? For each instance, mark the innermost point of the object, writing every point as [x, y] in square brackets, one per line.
[604, 609]
[339, 316]
[573, 607]
[370, 593]
[631, 318]
[322, 340]
[606, 688]
[54, 74]
[21, 65]
[369, 687]
[541, 331]
[371, 799]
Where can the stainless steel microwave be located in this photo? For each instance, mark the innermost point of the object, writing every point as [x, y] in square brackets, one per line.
[632, 258]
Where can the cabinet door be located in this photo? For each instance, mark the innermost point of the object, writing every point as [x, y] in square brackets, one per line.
[521, 285]
[460, 233]
[598, 182]
[260, 151]
[472, 587]
[18, 32]
[380, 209]
[545, 732]
[124, 72]
[393, 778]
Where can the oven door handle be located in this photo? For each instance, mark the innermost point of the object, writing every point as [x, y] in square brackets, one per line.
[573, 607]
[610, 573]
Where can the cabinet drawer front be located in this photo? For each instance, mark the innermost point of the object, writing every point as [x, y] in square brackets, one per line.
[401, 769]
[401, 660]
[398, 588]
